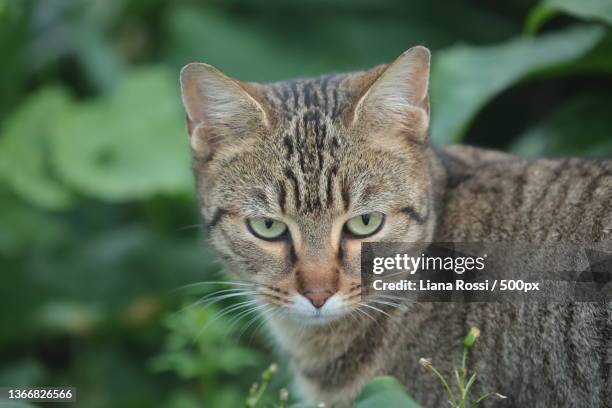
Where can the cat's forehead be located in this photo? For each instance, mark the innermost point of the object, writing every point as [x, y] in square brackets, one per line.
[311, 99]
[309, 130]
[310, 143]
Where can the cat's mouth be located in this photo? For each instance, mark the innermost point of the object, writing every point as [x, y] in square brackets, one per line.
[303, 311]
[316, 319]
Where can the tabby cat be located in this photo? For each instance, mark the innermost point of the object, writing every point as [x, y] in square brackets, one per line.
[292, 176]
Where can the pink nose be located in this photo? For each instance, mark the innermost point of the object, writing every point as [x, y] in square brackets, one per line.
[317, 298]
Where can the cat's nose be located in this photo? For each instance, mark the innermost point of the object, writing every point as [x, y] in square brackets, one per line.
[317, 297]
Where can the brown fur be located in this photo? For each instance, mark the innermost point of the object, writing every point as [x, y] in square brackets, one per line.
[313, 153]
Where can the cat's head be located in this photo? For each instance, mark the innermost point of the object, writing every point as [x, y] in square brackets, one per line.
[292, 177]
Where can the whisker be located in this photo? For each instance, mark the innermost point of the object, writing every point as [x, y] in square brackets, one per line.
[231, 308]
[363, 312]
[257, 316]
[275, 311]
[220, 295]
[356, 315]
[224, 312]
[209, 300]
[216, 299]
[187, 227]
[243, 314]
[352, 316]
[375, 308]
[220, 292]
[195, 284]
[383, 302]
[391, 297]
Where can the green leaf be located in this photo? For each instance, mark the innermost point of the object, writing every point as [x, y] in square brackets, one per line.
[98, 59]
[200, 327]
[337, 44]
[385, 392]
[24, 147]
[464, 78]
[129, 145]
[562, 134]
[596, 10]
[537, 17]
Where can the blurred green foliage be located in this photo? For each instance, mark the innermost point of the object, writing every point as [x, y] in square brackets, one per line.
[385, 392]
[203, 348]
[98, 223]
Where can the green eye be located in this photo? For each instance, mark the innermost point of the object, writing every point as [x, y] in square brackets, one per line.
[365, 225]
[266, 228]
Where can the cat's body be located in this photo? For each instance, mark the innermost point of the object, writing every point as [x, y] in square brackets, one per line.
[537, 354]
[286, 174]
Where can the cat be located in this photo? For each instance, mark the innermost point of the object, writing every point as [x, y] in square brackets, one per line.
[292, 176]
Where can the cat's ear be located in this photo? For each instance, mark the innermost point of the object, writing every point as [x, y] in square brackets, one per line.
[219, 108]
[397, 94]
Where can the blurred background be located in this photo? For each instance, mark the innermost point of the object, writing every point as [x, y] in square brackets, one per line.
[99, 231]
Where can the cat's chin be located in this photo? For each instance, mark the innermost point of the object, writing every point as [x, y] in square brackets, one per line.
[315, 319]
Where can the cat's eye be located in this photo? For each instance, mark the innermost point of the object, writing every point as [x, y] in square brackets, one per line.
[266, 228]
[365, 225]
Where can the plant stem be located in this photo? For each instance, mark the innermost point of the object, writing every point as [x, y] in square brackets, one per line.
[445, 383]
[257, 390]
[482, 398]
[464, 361]
[463, 389]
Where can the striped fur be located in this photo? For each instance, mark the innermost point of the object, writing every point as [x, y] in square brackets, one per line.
[315, 152]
